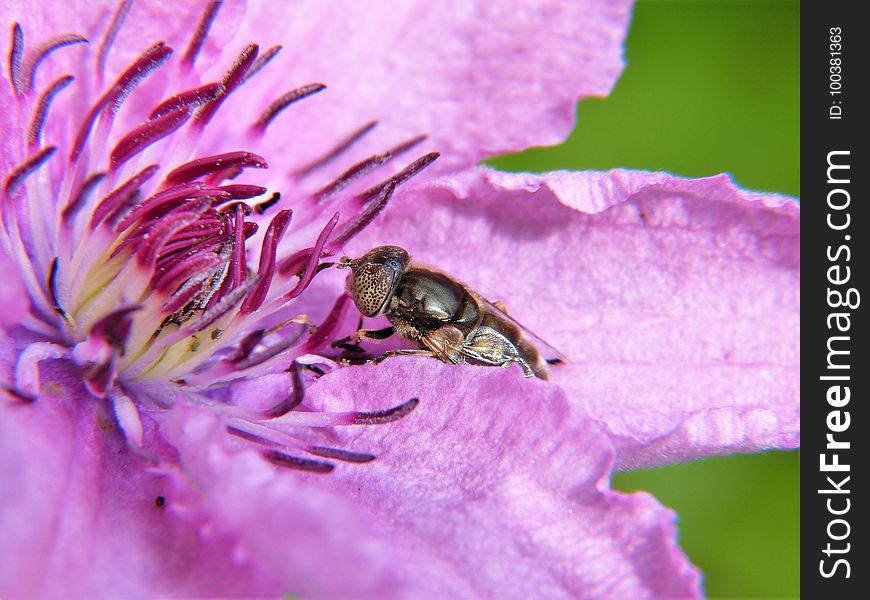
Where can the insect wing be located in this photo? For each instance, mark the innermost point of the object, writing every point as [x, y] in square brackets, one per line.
[548, 352]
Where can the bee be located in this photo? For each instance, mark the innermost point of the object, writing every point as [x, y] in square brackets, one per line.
[448, 320]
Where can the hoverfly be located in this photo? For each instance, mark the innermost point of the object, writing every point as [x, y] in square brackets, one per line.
[444, 316]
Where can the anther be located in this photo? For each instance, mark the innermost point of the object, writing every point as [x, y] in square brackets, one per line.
[207, 165]
[16, 57]
[266, 205]
[201, 32]
[51, 285]
[274, 109]
[41, 53]
[340, 148]
[379, 417]
[288, 461]
[231, 80]
[147, 134]
[111, 32]
[40, 113]
[17, 175]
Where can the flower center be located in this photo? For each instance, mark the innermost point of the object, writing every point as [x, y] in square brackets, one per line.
[133, 246]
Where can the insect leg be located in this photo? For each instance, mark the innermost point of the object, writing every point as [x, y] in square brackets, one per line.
[403, 352]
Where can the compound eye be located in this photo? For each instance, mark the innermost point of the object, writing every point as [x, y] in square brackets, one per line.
[371, 288]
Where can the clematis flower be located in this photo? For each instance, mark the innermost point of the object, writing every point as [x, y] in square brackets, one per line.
[172, 422]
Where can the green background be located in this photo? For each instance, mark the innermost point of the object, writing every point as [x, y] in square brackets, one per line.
[709, 87]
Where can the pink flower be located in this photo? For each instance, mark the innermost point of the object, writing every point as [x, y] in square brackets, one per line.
[169, 418]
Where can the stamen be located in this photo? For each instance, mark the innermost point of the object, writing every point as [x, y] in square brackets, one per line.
[243, 191]
[42, 53]
[288, 340]
[191, 98]
[192, 288]
[120, 194]
[366, 217]
[112, 100]
[37, 121]
[311, 269]
[266, 268]
[238, 263]
[170, 279]
[156, 238]
[16, 55]
[231, 81]
[207, 165]
[199, 36]
[407, 145]
[168, 200]
[379, 417]
[327, 329]
[338, 149]
[283, 102]
[52, 291]
[281, 459]
[87, 187]
[295, 399]
[293, 264]
[342, 455]
[109, 37]
[115, 327]
[352, 174]
[262, 61]
[402, 176]
[147, 134]
[264, 206]
[17, 175]
[18, 393]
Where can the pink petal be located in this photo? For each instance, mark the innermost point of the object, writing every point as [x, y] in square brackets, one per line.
[677, 301]
[80, 513]
[481, 491]
[479, 78]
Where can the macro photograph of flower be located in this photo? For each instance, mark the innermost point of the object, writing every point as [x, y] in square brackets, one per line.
[406, 299]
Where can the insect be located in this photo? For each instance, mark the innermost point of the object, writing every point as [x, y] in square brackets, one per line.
[444, 316]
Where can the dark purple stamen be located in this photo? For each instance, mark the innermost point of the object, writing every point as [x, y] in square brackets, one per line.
[115, 327]
[51, 285]
[170, 279]
[109, 37]
[238, 262]
[167, 200]
[249, 437]
[192, 288]
[295, 263]
[89, 184]
[407, 145]
[207, 165]
[350, 175]
[327, 329]
[219, 309]
[247, 345]
[243, 191]
[338, 149]
[17, 175]
[180, 250]
[37, 121]
[283, 102]
[288, 340]
[264, 206]
[342, 455]
[198, 39]
[402, 176]
[266, 269]
[117, 197]
[294, 399]
[111, 101]
[42, 53]
[366, 217]
[147, 134]
[191, 98]
[230, 82]
[311, 268]
[262, 60]
[160, 233]
[379, 417]
[18, 393]
[281, 459]
[16, 56]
